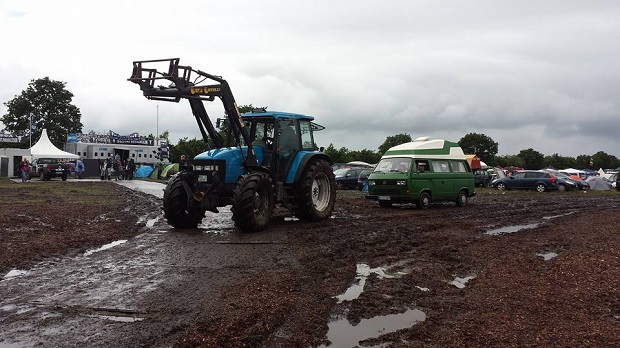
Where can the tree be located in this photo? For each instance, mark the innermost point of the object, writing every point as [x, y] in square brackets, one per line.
[583, 162]
[190, 148]
[49, 104]
[392, 141]
[559, 162]
[508, 161]
[480, 145]
[337, 155]
[365, 155]
[532, 159]
[602, 160]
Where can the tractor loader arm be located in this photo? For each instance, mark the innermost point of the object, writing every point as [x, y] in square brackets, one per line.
[173, 82]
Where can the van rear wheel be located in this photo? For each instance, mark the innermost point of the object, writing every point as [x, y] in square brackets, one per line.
[424, 201]
[461, 199]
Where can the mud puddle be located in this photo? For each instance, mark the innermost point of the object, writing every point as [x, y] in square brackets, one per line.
[518, 228]
[341, 333]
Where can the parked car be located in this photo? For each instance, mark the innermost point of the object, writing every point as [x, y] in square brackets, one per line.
[347, 177]
[538, 180]
[363, 178]
[48, 168]
[482, 178]
[568, 182]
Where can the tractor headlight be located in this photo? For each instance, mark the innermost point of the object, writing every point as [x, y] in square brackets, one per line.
[371, 182]
[401, 182]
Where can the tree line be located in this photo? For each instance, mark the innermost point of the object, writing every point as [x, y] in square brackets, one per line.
[46, 103]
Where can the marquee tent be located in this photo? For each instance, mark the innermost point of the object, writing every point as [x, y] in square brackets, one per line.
[45, 149]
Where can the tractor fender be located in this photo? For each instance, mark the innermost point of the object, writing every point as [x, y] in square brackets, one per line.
[300, 162]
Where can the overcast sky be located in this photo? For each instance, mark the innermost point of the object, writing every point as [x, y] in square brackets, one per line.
[529, 74]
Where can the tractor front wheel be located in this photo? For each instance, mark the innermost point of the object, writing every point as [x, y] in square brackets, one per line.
[176, 209]
[253, 202]
[315, 193]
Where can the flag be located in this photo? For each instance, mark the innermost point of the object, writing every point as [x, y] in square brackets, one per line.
[33, 127]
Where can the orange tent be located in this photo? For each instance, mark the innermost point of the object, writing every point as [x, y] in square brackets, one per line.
[474, 161]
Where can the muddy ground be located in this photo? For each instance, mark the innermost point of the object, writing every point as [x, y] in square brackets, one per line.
[512, 269]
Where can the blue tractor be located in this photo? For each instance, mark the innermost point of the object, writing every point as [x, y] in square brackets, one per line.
[257, 160]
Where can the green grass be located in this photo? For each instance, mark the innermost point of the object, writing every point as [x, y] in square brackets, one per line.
[58, 192]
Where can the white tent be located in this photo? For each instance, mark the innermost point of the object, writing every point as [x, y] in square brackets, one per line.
[598, 183]
[45, 149]
[572, 171]
[360, 163]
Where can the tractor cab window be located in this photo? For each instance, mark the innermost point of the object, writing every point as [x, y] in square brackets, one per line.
[307, 142]
[288, 138]
[261, 132]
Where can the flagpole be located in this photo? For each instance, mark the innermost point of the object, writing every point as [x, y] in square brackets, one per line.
[157, 127]
[30, 133]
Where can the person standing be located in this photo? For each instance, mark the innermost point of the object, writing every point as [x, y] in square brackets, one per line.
[79, 168]
[103, 168]
[23, 169]
[131, 168]
[183, 163]
[109, 163]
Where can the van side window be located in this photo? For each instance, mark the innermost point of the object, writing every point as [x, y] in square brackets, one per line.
[421, 166]
[441, 166]
[458, 167]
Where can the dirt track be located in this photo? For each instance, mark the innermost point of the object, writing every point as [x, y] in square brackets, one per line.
[441, 277]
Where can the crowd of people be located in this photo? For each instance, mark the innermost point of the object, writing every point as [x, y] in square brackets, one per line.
[117, 168]
[111, 167]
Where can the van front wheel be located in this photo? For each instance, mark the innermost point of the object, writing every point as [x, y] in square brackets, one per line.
[461, 199]
[424, 201]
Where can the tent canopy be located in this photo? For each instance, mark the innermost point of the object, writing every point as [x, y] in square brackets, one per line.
[143, 172]
[45, 149]
[598, 183]
[171, 167]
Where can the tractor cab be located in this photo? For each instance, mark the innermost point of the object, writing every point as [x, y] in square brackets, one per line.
[280, 137]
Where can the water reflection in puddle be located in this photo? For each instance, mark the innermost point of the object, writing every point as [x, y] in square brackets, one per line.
[363, 271]
[342, 334]
[218, 223]
[557, 216]
[461, 282]
[105, 247]
[547, 256]
[517, 228]
[118, 318]
[511, 229]
[14, 274]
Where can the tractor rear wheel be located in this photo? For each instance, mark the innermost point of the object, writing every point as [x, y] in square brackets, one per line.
[315, 193]
[253, 202]
[176, 209]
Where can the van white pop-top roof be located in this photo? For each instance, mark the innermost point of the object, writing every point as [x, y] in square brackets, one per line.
[425, 147]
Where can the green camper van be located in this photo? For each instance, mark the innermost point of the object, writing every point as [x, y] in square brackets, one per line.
[422, 172]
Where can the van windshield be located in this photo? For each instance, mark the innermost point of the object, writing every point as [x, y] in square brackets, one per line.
[393, 165]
